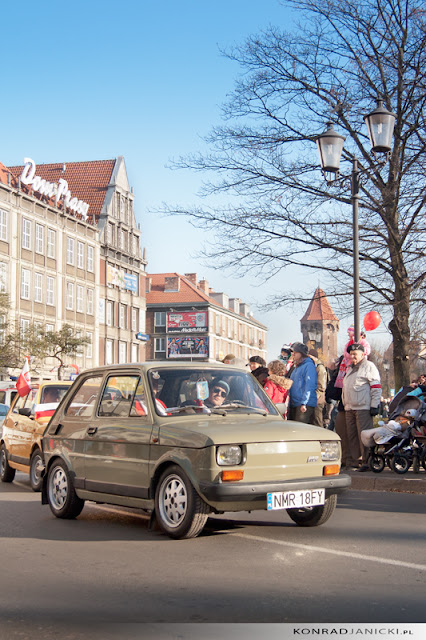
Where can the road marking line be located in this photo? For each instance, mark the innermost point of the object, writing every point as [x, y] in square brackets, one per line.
[345, 554]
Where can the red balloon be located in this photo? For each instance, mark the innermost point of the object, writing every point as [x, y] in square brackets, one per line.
[372, 320]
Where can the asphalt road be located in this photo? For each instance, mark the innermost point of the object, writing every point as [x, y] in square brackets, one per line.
[367, 564]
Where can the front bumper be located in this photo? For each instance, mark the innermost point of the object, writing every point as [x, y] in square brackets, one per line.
[249, 492]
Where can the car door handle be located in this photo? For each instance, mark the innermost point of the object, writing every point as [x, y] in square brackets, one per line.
[91, 431]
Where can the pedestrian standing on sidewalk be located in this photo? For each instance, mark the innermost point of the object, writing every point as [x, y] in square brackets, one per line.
[318, 417]
[303, 393]
[361, 398]
[258, 369]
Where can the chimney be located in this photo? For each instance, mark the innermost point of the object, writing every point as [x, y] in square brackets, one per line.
[171, 283]
[192, 277]
[148, 285]
[204, 286]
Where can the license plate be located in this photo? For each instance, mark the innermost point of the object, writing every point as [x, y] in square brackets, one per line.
[295, 499]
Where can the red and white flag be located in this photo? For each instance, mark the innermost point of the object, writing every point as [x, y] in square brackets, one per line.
[23, 385]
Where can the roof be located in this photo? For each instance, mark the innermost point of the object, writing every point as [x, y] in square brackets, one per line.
[188, 294]
[87, 181]
[319, 308]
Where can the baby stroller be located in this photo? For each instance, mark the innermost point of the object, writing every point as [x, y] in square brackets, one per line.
[387, 446]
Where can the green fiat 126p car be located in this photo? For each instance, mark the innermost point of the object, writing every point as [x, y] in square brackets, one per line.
[184, 440]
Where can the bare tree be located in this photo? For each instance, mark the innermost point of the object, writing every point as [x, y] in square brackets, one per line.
[340, 59]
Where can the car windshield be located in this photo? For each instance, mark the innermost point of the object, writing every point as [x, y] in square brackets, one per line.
[178, 391]
[53, 393]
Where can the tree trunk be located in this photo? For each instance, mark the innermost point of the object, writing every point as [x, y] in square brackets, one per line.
[400, 328]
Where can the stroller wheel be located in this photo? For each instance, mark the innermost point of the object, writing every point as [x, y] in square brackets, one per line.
[400, 463]
[376, 462]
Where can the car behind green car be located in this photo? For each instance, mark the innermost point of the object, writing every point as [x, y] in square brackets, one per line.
[185, 440]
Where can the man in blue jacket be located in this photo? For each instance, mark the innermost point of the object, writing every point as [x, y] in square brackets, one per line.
[303, 392]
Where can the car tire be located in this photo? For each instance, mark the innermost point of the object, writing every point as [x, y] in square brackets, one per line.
[400, 463]
[376, 462]
[180, 511]
[61, 495]
[7, 474]
[314, 516]
[36, 479]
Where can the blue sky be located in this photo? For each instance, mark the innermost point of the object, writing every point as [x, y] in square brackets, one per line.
[143, 79]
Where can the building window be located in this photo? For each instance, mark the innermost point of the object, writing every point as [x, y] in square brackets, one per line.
[26, 233]
[80, 255]
[135, 353]
[50, 291]
[3, 225]
[3, 277]
[90, 259]
[25, 284]
[79, 301]
[109, 313]
[160, 319]
[39, 239]
[122, 352]
[109, 237]
[38, 287]
[70, 251]
[50, 328]
[70, 296]
[51, 243]
[123, 316]
[25, 326]
[159, 347]
[135, 320]
[90, 301]
[89, 345]
[109, 351]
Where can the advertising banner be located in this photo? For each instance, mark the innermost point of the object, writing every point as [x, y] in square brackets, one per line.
[187, 322]
[131, 282]
[188, 347]
[122, 279]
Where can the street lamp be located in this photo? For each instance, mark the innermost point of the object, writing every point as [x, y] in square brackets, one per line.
[386, 367]
[380, 124]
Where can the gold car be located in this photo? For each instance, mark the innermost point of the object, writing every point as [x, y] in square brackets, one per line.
[23, 428]
[185, 440]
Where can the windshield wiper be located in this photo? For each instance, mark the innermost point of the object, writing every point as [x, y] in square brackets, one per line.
[241, 405]
[203, 408]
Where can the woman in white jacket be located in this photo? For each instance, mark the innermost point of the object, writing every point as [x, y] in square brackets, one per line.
[361, 398]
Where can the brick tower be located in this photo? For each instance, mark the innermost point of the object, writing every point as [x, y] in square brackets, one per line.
[320, 326]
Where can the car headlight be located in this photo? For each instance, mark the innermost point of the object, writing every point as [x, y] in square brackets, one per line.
[227, 455]
[330, 450]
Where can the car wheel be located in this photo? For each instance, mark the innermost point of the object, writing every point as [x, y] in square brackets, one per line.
[314, 516]
[376, 462]
[7, 474]
[180, 511]
[61, 495]
[36, 465]
[400, 463]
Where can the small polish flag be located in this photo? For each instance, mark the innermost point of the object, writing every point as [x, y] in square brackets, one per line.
[23, 385]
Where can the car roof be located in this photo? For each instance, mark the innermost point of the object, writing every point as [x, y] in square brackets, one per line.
[163, 365]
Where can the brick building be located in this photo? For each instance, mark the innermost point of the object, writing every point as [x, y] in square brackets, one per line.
[320, 326]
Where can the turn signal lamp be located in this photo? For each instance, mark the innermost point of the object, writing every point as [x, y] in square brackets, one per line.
[232, 476]
[331, 470]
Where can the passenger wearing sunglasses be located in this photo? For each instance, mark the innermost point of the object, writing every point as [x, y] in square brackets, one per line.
[219, 389]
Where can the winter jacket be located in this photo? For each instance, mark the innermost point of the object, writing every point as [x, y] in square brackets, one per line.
[277, 387]
[304, 389]
[361, 386]
[261, 373]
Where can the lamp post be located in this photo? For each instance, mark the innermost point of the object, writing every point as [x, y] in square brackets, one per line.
[386, 367]
[380, 124]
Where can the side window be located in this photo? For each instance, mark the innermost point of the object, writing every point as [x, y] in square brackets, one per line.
[118, 396]
[139, 407]
[19, 403]
[84, 399]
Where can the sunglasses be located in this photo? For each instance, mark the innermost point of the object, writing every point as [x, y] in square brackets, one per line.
[218, 391]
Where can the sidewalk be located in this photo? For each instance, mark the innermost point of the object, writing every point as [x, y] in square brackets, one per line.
[388, 480]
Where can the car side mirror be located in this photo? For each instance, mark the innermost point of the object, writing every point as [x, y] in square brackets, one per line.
[25, 411]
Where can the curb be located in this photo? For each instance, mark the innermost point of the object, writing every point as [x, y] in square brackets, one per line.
[388, 480]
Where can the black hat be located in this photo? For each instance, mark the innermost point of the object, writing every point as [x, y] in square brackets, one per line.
[258, 360]
[313, 352]
[355, 346]
[299, 347]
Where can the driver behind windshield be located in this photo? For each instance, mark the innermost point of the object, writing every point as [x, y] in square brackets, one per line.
[219, 389]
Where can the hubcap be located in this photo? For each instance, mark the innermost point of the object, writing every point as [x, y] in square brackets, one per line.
[173, 501]
[58, 488]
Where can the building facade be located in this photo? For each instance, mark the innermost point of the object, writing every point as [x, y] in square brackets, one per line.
[187, 320]
[70, 253]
